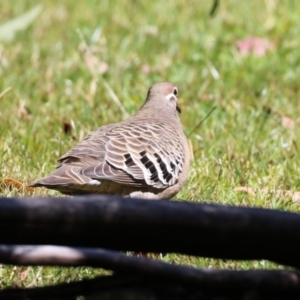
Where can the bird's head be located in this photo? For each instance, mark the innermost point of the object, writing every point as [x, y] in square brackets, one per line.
[166, 94]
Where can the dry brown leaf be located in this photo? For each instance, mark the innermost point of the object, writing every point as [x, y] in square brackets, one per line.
[14, 184]
[23, 111]
[94, 64]
[254, 45]
[296, 196]
[68, 128]
[206, 97]
[287, 122]
[246, 189]
[265, 192]
[23, 275]
[146, 69]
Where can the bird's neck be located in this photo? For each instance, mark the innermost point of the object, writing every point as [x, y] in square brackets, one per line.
[155, 111]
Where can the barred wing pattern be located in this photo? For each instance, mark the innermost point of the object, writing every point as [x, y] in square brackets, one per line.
[138, 154]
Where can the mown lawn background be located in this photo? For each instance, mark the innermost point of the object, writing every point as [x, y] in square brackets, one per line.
[78, 59]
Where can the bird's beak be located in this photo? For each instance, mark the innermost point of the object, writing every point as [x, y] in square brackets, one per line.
[178, 108]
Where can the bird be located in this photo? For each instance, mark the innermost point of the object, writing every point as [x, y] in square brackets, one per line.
[145, 156]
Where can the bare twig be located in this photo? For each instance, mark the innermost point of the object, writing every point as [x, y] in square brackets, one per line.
[200, 123]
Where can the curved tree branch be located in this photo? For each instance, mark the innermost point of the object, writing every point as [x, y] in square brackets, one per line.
[159, 226]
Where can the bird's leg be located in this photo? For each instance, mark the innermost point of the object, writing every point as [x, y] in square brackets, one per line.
[143, 195]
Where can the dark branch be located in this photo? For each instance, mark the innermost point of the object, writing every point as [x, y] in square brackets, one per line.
[126, 224]
[145, 273]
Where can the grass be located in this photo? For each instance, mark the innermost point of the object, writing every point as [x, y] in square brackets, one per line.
[244, 142]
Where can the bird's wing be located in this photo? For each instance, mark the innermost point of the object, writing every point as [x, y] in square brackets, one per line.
[136, 153]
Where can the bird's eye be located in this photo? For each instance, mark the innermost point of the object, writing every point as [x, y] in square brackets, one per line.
[175, 91]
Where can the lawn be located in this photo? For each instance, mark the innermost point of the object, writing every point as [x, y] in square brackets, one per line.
[84, 64]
